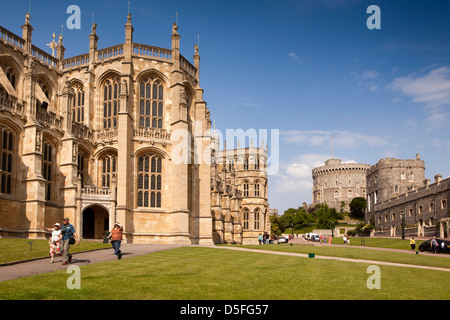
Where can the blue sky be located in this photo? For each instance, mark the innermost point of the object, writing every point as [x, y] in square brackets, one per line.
[309, 68]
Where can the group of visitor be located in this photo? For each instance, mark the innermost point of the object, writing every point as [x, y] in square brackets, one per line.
[64, 236]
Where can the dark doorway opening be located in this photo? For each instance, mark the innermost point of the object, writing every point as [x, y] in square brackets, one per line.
[95, 222]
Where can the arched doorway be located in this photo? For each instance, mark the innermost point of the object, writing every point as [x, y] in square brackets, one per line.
[95, 222]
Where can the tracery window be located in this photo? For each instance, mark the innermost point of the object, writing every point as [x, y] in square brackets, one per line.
[257, 217]
[108, 169]
[7, 150]
[149, 181]
[246, 163]
[246, 188]
[45, 88]
[78, 104]
[246, 215]
[47, 168]
[111, 103]
[257, 193]
[151, 103]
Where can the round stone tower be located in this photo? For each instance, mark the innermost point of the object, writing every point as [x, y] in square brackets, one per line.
[337, 183]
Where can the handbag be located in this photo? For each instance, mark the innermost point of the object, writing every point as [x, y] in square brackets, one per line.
[71, 240]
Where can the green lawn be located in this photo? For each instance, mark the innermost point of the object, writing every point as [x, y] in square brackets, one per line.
[197, 273]
[12, 250]
[442, 261]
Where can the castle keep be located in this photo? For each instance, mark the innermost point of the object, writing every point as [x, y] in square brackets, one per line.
[396, 190]
[97, 138]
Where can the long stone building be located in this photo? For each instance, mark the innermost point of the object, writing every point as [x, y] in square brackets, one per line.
[116, 134]
[396, 191]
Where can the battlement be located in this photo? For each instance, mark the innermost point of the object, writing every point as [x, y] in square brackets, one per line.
[398, 163]
[335, 166]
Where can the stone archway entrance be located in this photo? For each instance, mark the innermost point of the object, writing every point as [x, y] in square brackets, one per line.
[95, 222]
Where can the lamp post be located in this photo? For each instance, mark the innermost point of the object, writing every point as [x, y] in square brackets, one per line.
[403, 225]
[332, 229]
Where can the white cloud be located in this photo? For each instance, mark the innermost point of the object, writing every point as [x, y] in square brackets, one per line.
[431, 89]
[292, 185]
[294, 56]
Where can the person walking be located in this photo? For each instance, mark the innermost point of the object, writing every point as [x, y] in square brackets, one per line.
[55, 241]
[412, 243]
[260, 238]
[434, 245]
[116, 239]
[69, 236]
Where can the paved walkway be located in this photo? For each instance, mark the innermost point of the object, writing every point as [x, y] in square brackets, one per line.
[23, 269]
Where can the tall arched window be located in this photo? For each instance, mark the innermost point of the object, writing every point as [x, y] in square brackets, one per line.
[7, 151]
[47, 168]
[111, 103]
[257, 217]
[149, 181]
[108, 168]
[151, 103]
[257, 192]
[78, 104]
[246, 216]
[246, 188]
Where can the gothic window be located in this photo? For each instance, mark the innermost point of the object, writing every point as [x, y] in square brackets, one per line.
[231, 165]
[246, 188]
[246, 163]
[45, 88]
[257, 163]
[47, 168]
[111, 103]
[246, 218]
[7, 151]
[149, 181]
[349, 194]
[151, 103]
[10, 74]
[336, 194]
[3, 96]
[78, 104]
[108, 169]
[257, 193]
[257, 217]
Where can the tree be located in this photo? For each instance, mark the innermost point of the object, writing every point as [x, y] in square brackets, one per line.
[327, 216]
[297, 218]
[357, 207]
[276, 227]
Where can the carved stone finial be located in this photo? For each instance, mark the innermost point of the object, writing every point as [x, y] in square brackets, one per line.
[175, 29]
